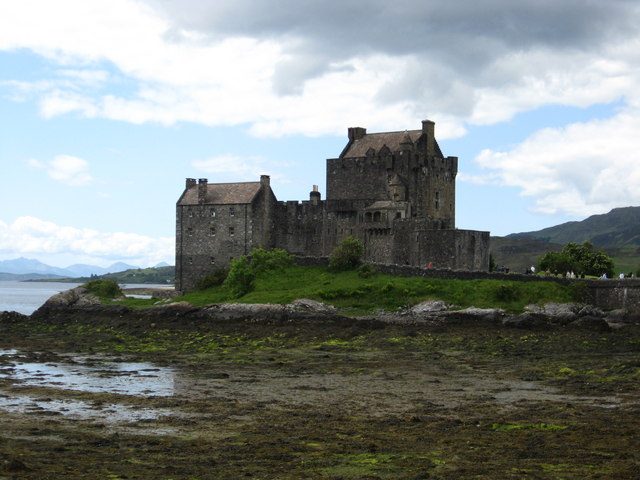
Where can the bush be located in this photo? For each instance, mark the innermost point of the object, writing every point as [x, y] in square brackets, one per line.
[240, 279]
[244, 270]
[103, 288]
[216, 278]
[346, 255]
[366, 271]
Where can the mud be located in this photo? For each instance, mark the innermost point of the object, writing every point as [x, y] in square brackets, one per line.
[313, 399]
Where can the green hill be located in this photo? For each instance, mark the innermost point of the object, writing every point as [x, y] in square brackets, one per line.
[134, 275]
[616, 232]
[620, 228]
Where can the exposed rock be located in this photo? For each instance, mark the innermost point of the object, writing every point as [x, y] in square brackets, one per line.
[307, 305]
[527, 320]
[562, 313]
[10, 317]
[471, 315]
[75, 296]
[589, 322]
[590, 310]
[428, 307]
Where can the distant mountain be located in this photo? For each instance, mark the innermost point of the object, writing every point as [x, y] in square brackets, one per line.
[616, 232]
[28, 266]
[23, 277]
[620, 228]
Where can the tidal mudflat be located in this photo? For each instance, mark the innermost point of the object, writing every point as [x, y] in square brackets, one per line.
[314, 399]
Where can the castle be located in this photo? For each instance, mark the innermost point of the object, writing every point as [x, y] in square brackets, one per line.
[394, 191]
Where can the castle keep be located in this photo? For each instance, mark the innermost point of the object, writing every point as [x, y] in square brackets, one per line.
[394, 191]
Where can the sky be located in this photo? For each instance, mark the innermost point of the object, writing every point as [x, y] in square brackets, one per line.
[106, 106]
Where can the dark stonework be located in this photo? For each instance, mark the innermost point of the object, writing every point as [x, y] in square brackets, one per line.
[394, 191]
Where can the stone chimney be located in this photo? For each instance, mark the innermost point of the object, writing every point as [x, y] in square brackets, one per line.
[202, 190]
[265, 181]
[356, 133]
[429, 129]
[314, 196]
[191, 182]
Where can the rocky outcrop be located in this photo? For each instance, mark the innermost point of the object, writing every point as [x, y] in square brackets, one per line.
[78, 296]
[78, 303]
[10, 317]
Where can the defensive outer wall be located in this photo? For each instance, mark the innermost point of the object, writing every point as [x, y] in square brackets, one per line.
[609, 294]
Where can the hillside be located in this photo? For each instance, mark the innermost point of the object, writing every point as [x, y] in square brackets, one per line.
[620, 228]
[616, 232]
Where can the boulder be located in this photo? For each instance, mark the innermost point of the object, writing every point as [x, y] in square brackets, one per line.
[589, 322]
[75, 296]
[527, 320]
[12, 317]
[428, 307]
[312, 306]
[562, 313]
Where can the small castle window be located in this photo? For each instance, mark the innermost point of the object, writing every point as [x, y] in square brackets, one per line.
[212, 260]
[377, 216]
[213, 212]
[190, 260]
[190, 231]
[232, 211]
[232, 230]
[437, 200]
[190, 212]
[212, 231]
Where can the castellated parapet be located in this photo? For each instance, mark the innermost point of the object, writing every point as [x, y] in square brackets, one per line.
[394, 191]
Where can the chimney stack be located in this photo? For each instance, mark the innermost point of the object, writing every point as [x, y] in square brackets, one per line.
[428, 129]
[265, 181]
[314, 196]
[202, 190]
[356, 133]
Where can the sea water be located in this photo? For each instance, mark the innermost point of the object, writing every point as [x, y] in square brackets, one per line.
[27, 297]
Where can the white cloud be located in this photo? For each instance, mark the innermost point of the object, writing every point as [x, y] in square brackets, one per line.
[582, 169]
[33, 236]
[233, 168]
[67, 169]
[281, 73]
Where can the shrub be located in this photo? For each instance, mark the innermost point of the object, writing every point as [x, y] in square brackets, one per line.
[244, 270]
[366, 271]
[213, 280]
[346, 255]
[262, 260]
[240, 279]
[104, 288]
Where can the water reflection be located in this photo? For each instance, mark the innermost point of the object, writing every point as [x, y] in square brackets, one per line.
[91, 374]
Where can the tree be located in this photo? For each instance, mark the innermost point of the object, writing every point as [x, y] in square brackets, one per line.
[556, 262]
[581, 259]
[346, 255]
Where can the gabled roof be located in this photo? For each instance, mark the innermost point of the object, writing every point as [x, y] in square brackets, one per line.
[386, 205]
[222, 193]
[376, 141]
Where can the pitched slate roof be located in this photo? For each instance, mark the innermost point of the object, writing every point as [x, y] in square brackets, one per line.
[376, 141]
[222, 193]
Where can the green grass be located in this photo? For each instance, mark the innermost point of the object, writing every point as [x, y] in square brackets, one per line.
[355, 295]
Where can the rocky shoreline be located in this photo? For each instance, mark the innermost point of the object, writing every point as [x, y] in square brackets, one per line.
[77, 304]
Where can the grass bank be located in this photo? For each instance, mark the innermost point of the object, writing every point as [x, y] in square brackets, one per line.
[356, 295]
